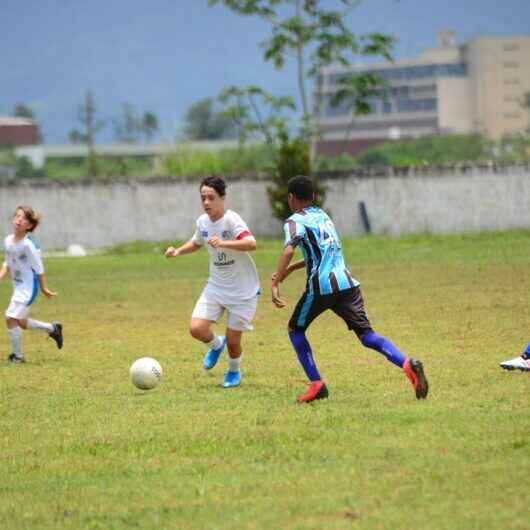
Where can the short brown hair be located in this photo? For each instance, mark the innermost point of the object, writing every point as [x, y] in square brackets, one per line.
[31, 216]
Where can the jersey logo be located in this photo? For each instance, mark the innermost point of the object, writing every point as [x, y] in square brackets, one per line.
[22, 257]
[204, 233]
[226, 234]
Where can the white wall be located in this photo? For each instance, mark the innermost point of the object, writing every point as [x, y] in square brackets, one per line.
[98, 214]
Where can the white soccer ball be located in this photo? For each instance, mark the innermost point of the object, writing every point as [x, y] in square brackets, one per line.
[145, 373]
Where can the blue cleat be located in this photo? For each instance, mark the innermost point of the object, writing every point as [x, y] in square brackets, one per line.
[232, 379]
[212, 356]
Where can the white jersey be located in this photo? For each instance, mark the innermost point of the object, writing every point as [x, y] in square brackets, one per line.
[25, 263]
[233, 275]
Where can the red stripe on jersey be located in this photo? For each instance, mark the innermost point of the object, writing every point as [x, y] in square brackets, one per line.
[243, 234]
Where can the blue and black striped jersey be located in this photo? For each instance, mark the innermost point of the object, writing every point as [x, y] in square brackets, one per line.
[313, 231]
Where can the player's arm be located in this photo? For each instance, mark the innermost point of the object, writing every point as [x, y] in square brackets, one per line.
[35, 260]
[43, 287]
[280, 275]
[3, 270]
[186, 248]
[244, 244]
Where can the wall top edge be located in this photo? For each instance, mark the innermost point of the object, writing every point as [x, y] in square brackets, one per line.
[373, 172]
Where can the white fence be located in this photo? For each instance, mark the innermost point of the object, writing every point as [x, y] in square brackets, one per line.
[98, 214]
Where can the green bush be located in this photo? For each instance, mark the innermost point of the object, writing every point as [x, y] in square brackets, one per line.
[428, 150]
[293, 159]
[186, 161]
[341, 162]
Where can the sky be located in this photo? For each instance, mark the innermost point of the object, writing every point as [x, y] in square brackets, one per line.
[164, 55]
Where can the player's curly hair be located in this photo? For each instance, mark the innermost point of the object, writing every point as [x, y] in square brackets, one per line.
[31, 216]
[301, 187]
[217, 183]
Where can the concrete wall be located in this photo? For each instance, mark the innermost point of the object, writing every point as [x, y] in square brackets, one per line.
[98, 214]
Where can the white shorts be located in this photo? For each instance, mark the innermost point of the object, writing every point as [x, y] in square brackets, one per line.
[17, 310]
[240, 315]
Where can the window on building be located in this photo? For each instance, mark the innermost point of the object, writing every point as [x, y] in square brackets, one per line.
[416, 105]
[510, 47]
[510, 64]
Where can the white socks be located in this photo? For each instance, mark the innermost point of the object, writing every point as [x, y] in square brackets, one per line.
[37, 324]
[235, 364]
[15, 334]
[215, 343]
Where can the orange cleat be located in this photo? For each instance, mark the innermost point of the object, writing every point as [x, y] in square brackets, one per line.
[414, 371]
[316, 390]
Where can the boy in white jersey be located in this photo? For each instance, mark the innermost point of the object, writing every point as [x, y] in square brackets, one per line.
[24, 263]
[233, 282]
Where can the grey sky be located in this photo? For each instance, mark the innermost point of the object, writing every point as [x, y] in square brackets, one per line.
[164, 55]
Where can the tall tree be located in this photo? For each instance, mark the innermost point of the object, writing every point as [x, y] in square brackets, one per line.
[204, 122]
[127, 126]
[149, 125]
[23, 111]
[255, 112]
[90, 127]
[314, 35]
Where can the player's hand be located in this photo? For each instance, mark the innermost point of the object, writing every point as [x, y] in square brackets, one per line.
[215, 242]
[276, 298]
[48, 293]
[171, 252]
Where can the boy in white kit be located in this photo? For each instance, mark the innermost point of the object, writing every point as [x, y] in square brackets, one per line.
[233, 282]
[23, 261]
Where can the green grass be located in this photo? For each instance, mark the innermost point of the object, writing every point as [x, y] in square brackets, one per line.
[80, 447]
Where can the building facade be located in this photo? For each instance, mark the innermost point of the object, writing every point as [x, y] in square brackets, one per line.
[18, 131]
[476, 87]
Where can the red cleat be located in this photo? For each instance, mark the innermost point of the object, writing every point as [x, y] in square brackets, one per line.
[316, 390]
[414, 371]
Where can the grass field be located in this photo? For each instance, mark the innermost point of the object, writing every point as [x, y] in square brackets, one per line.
[80, 447]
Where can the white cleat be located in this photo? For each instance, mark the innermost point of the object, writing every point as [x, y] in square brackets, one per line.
[518, 363]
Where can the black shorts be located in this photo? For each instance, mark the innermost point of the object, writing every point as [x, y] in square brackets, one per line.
[347, 304]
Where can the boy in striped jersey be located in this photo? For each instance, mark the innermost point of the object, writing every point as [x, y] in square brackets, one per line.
[23, 261]
[329, 286]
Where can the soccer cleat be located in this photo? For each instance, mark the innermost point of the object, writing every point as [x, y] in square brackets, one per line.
[212, 356]
[16, 359]
[232, 379]
[57, 334]
[316, 390]
[518, 363]
[414, 371]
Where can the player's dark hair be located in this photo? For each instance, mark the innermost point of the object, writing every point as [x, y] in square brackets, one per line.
[31, 216]
[301, 187]
[217, 183]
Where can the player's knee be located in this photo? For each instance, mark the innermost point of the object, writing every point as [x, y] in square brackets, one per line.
[198, 332]
[370, 339]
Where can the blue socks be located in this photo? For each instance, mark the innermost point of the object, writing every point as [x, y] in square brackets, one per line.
[305, 355]
[370, 340]
[526, 353]
[383, 345]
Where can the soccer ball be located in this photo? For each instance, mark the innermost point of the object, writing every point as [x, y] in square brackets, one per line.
[145, 373]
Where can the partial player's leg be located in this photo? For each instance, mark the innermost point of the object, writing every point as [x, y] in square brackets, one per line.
[351, 309]
[205, 313]
[306, 310]
[522, 362]
[15, 312]
[53, 329]
[232, 377]
[239, 320]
